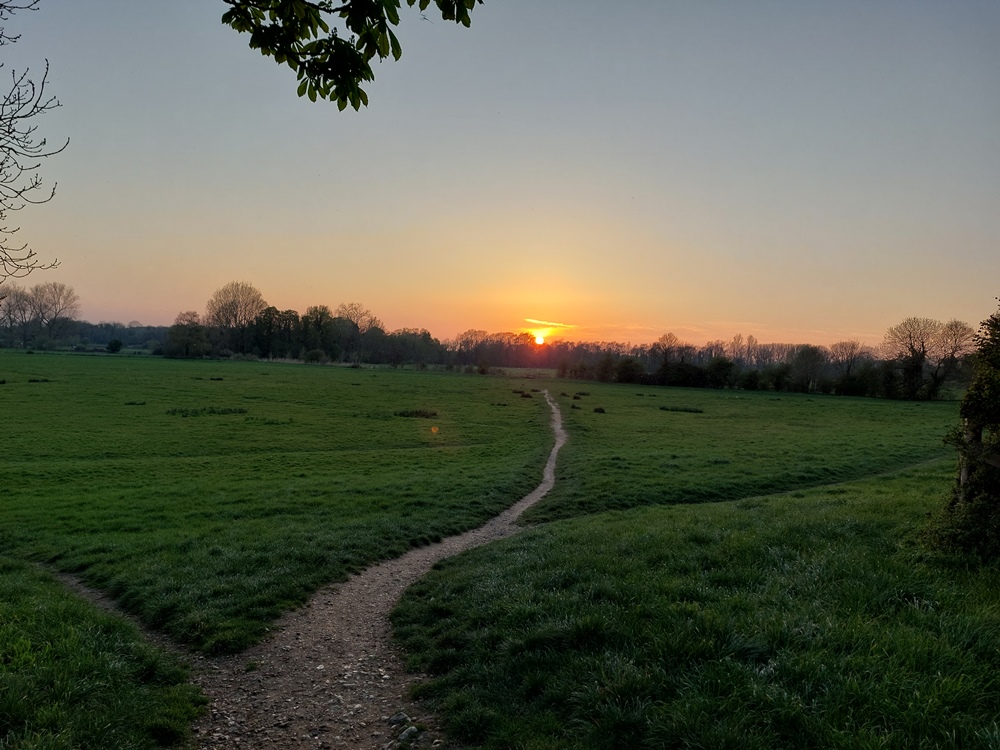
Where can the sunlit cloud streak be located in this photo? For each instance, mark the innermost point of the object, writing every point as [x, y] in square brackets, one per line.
[549, 323]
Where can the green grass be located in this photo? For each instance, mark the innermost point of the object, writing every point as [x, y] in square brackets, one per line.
[677, 445]
[803, 620]
[72, 678]
[209, 497]
[207, 505]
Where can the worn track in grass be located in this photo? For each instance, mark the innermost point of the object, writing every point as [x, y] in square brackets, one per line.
[330, 676]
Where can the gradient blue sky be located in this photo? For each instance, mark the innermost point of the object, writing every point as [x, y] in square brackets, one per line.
[799, 171]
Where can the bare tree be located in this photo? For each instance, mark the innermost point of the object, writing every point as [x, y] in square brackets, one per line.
[955, 339]
[713, 350]
[187, 336]
[735, 349]
[360, 315]
[233, 309]
[845, 355]
[806, 366]
[18, 312]
[20, 153]
[927, 352]
[55, 306]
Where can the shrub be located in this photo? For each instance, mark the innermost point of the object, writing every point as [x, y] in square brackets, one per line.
[971, 521]
[115, 346]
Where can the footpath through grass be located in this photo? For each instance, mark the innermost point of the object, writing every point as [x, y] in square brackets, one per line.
[804, 620]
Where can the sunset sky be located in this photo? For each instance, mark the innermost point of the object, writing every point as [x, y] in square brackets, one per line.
[799, 171]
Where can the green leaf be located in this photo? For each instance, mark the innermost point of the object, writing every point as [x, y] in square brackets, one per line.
[397, 49]
[303, 86]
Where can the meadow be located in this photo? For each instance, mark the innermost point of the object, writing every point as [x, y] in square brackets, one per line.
[809, 618]
[803, 620]
[663, 589]
[209, 497]
[633, 447]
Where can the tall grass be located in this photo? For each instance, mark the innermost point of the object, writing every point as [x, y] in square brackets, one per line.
[72, 678]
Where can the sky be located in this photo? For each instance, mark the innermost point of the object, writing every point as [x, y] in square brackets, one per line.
[804, 172]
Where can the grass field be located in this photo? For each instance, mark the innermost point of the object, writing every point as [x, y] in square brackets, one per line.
[684, 445]
[208, 497]
[813, 618]
[803, 620]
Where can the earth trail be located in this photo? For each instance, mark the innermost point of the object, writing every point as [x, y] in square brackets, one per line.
[330, 675]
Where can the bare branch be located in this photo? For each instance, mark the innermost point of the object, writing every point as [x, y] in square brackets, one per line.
[21, 152]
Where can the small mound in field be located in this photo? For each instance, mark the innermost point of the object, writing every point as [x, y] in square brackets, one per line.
[688, 409]
[599, 410]
[421, 413]
[206, 411]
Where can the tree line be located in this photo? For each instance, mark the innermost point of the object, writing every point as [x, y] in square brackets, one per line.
[917, 359]
[37, 316]
[239, 322]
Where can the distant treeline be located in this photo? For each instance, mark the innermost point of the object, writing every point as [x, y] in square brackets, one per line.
[919, 359]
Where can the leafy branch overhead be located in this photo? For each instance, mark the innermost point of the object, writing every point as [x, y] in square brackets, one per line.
[304, 35]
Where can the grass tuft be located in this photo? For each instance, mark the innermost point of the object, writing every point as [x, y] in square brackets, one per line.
[421, 413]
[207, 411]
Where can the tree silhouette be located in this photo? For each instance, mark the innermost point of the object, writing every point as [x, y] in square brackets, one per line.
[973, 515]
[20, 153]
[303, 35]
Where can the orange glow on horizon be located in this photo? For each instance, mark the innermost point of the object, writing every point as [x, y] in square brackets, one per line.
[541, 334]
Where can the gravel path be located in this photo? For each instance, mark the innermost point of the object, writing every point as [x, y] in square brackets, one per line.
[330, 676]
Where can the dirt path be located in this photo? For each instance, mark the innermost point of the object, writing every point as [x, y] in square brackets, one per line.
[330, 676]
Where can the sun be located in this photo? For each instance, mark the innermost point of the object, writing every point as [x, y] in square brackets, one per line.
[539, 339]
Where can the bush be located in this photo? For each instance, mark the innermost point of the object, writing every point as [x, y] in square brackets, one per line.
[971, 521]
[315, 356]
[115, 346]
